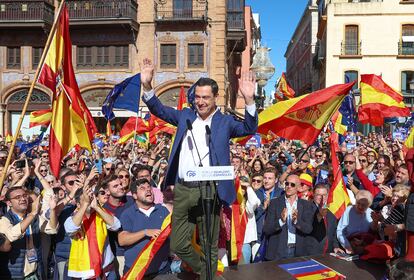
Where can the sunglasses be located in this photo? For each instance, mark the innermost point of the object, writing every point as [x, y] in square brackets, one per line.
[45, 156]
[318, 156]
[349, 162]
[18, 197]
[110, 169]
[122, 177]
[290, 184]
[72, 164]
[71, 183]
[363, 160]
[102, 192]
[50, 182]
[304, 160]
[43, 170]
[256, 181]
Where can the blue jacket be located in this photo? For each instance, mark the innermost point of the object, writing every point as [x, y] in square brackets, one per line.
[223, 128]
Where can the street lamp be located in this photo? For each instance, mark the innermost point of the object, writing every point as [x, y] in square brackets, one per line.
[264, 70]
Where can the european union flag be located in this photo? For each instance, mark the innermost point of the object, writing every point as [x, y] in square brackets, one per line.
[27, 147]
[347, 110]
[123, 96]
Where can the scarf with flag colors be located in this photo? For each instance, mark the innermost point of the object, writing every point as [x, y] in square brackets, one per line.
[338, 198]
[379, 101]
[135, 126]
[137, 271]
[283, 89]
[303, 117]
[86, 251]
[41, 117]
[72, 123]
[238, 223]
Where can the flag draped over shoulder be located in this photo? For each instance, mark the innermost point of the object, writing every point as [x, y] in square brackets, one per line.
[135, 126]
[338, 198]
[283, 89]
[137, 270]
[86, 251]
[124, 95]
[72, 123]
[303, 117]
[379, 101]
[41, 117]
[238, 223]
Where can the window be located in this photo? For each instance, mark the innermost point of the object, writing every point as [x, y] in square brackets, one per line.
[195, 55]
[13, 57]
[351, 76]
[102, 56]
[36, 54]
[406, 78]
[407, 40]
[183, 8]
[168, 55]
[351, 44]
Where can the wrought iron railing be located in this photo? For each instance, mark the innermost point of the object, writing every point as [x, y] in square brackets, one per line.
[405, 48]
[26, 11]
[167, 11]
[102, 9]
[350, 48]
[235, 20]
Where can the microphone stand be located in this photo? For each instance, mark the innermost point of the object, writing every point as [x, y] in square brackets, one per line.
[206, 207]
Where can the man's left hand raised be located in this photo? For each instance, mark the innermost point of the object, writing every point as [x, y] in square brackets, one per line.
[247, 87]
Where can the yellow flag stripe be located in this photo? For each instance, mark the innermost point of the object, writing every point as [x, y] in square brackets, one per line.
[371, 95]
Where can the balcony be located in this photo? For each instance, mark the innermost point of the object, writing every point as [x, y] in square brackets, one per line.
[99, 12]
[168, 11]
[405, 49]
[236, 35]
[351, 50]
[29, 13]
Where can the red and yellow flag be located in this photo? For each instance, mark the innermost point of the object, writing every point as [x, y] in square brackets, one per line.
[141, 125]
[41, 117]
[160, 126]
[87, 249]
[337, 123]
[72, 123]
[238, 223]
[182, 100]
[283, 89]
[9, 137]
[338, 198]
[303, 117]
[379, 101]
[409, 142]
[137, 271]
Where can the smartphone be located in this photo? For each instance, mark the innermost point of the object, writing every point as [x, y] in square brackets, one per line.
[98, 165]
[20, 163]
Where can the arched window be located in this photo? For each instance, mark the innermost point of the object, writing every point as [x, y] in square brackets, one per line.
[171, 96]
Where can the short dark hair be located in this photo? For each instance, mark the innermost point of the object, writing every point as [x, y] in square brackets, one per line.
[10, 190]
[134, 185]
[271, 170]
[105, 182]
[208, 82]
[321, 186]
[69, 173]
[404, 166]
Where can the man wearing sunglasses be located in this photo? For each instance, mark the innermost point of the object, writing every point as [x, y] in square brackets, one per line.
[21, 225]
[288, 222]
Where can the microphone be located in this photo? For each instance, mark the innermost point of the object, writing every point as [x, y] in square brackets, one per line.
[208, 134]
[190, 128]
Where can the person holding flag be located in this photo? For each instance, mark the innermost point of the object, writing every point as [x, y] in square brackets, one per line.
[205, 121]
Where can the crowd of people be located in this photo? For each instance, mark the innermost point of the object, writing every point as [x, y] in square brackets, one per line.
[285, 184]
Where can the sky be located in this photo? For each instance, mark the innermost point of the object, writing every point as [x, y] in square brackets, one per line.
[278, 20]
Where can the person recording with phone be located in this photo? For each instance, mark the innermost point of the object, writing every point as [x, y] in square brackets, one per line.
[202, 139]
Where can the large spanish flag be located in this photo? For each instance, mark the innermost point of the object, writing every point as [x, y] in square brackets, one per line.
[283, 89]
[41, 117]
[379, 101]
[72, 123]
[238, 223]
[143, 260]
[303, 117]
[338, 198]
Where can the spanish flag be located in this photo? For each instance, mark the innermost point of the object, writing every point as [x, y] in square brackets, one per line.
[128, 130]
[160, 126]
[87, 249]
[72, 123]
[283, 89]
[338, 198]
[337, 123]
[182, 100]
[379, 101]
[41, 117]
[238, 223]
[303, 117]
[137, 271]
[409, 142]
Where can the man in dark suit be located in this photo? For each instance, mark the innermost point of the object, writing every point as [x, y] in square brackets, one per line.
[322, 239]
[214, 150]
[288, 221]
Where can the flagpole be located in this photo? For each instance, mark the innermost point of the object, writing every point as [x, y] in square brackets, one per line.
[135, 133]
[29, 94]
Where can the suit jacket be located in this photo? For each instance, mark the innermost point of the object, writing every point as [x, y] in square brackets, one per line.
[223, 128]
[316, 240]
[278, 236]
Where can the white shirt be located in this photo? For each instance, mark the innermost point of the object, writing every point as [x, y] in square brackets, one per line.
[290, 225]
[188, 157]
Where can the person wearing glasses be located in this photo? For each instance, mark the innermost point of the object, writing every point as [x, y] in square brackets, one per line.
[319, 158]
[288, 221]
[22, 227]
[72, 164]
[124, 177]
